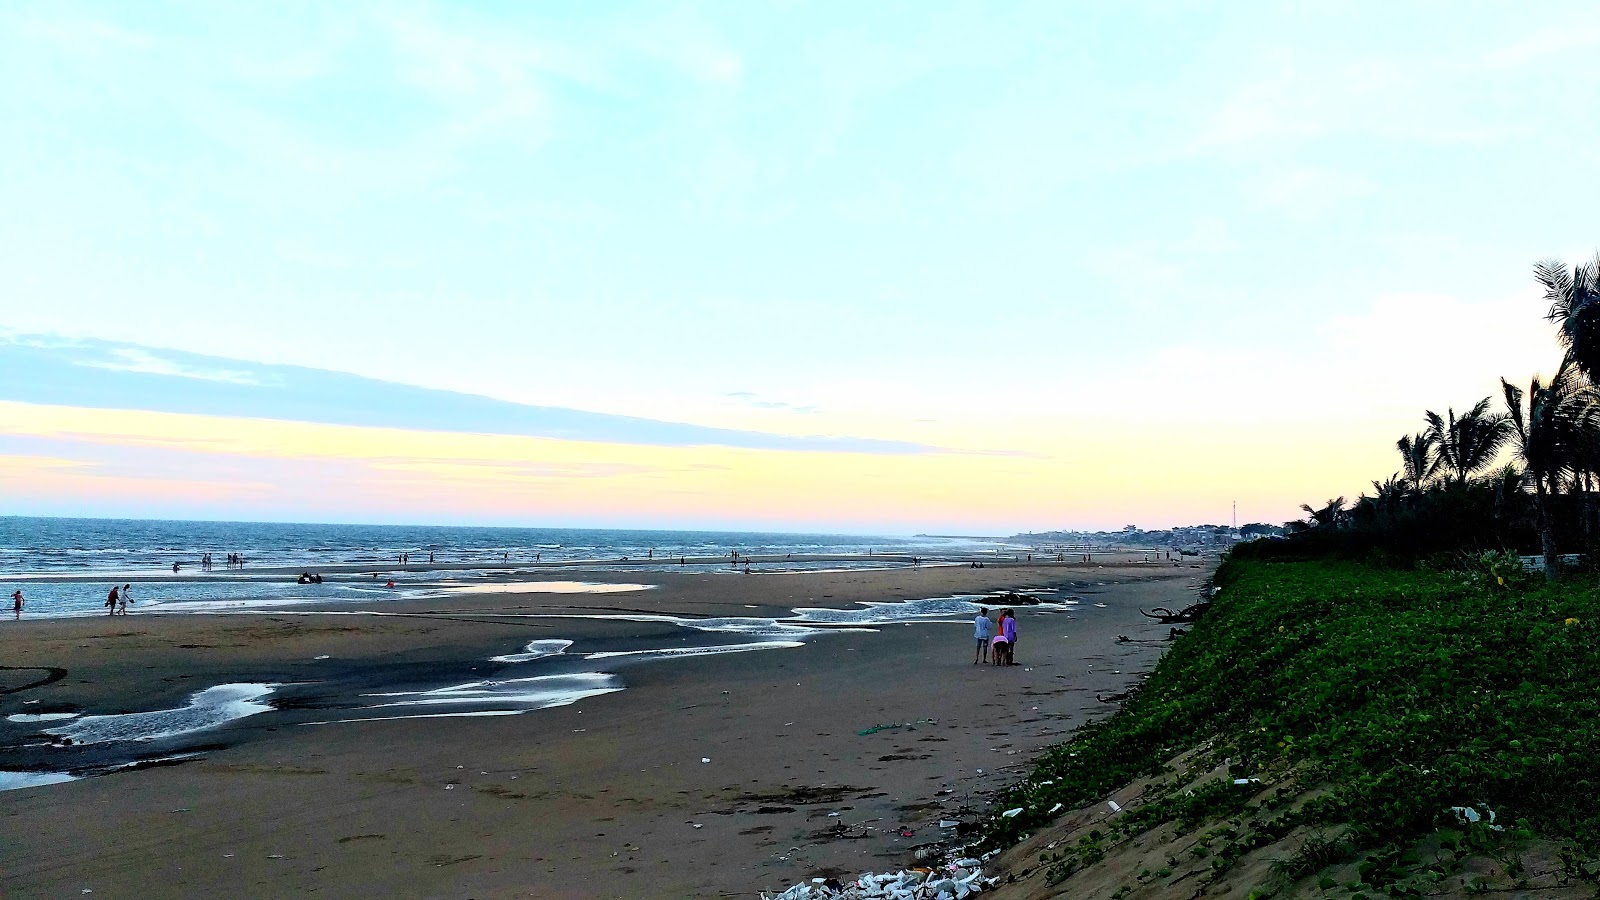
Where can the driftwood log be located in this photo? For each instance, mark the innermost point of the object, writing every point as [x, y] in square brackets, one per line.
[1181, 617]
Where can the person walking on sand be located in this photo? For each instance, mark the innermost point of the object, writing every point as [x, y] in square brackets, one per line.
[16, 603]
[123, 601]
[983, 630]
[111, 601]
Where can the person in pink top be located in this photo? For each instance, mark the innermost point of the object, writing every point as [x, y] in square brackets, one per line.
[1008, 627]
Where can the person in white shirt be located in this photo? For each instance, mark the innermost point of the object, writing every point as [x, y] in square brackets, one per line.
[983, 630]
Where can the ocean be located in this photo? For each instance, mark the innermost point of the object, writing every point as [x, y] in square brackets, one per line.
[66, 566]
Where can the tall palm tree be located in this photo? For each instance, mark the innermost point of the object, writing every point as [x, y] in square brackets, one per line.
[1330, 516]
[1388, 495]
[1558, 426]
[1574, 298]
[1421, 462]
[1467, 444]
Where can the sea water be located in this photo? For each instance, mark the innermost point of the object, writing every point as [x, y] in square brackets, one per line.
[30, 545]
[66, 567]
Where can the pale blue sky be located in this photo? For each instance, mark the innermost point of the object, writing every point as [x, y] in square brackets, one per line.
[889, 220]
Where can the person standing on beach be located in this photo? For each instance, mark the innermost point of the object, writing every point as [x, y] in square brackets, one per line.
[983, 630]
[111, 601]
[122, 600]
[16, 603]
[1008, 627]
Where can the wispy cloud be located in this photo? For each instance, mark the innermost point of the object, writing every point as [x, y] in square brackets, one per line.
[750, 399]
[104, 375]
[132, 359]
[1545, 43]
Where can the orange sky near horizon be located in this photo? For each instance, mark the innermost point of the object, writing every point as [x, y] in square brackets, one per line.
[141, 463]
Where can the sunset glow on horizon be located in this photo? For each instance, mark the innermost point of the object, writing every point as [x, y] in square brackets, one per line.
[887, 270]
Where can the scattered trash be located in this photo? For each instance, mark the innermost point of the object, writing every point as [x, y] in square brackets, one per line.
[696, 825]
[1012, 813]
[1054, 809]
[705, 759]
[1247, 781]
[1468, 815]
[320, 657]
[947, 823]
[957, 881]
[877, 728]
[1115, 807]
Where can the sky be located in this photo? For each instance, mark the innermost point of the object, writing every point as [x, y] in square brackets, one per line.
[891, 267]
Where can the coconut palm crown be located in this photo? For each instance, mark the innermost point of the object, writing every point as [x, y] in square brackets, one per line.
[1574, 298]
[1467, 444]
[1552, 425]
[1420, 460]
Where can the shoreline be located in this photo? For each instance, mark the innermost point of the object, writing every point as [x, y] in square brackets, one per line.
[764, 737]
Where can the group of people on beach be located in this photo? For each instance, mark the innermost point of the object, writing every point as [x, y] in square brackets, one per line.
[117, 601]
[996, 640]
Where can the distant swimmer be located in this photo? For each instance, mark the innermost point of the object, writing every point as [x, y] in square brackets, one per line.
[16, 603]
[176, 567]
[391, 582]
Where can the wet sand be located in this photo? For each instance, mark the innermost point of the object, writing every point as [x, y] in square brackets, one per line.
[596, 799]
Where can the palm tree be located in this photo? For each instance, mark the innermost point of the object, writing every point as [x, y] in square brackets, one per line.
[1574, 298]
[1559, 426]
[1330, 516]
[1421, 462]
[1468, 444]
[1388, 496]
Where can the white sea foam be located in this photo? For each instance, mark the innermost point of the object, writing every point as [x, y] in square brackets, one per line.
[515, 694]
[675, 652]
[207, 709]
[534, 650]
[40, 717]
[467, 714]
[891, 613]
[13, 781]
[929, 610]
[745, 625]
[543, 587]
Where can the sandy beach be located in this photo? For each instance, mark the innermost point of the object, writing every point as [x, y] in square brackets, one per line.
[609, 796]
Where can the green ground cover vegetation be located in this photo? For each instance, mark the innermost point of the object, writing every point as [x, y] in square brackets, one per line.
[1389, 662]
[1378, 698]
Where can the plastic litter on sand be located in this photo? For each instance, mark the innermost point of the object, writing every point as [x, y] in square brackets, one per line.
[956, 881]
